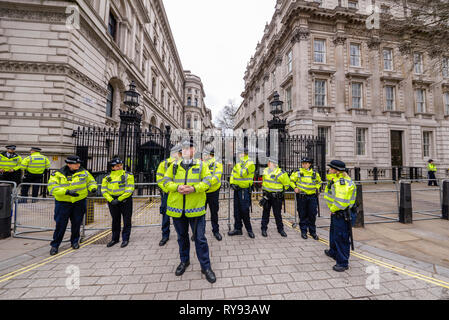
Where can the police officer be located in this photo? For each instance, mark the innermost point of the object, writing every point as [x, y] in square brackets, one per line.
[70, 186]
[306, 182]
[274, 182]
[431, 170]
[187, 182]
[213, 194]
[34, 166]
[176, 153]
[340, 194]
[117, 188]
[10, 169]
[241, 181]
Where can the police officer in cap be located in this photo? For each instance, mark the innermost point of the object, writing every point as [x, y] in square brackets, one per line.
[187, 182]
[431, 170]
[10, 169]
[34, 166]
[117, 188]
[70, 187]
[340, 194]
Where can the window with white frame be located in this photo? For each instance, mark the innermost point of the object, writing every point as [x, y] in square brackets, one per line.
[420, 100]
[357, 91]
[361, 140]
[319, 51]
[426, 143]
[417, 60]
[352, 4]
[389, 98]
[289, 61]
[446, 103]
[288, 98]
[388, 59]
[445, 67]
[320, 93]
[355, 55]
[324, 132]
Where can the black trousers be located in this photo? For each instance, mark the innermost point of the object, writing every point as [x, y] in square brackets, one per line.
[15, 176]
[125, 209]
[212, 200]
[276, 204]
[433, 179]
[31, 178]
[242, 203]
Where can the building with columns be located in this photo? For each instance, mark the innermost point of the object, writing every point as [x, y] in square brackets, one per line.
[376, 100]
[65, 64]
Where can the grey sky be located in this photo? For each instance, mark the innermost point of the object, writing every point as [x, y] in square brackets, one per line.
[215, 40]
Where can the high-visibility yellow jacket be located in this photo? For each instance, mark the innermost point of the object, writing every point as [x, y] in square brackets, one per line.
[80, 181]
[161, 170]
[243, 173]
[10, 163]
[307, 181]
[216, 171]
[194, 204]
[119, 184]
[340, 193]
[432, 167]
[275, 180]
[35, 163]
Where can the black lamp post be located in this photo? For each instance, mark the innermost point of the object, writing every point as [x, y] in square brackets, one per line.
[277, 124]
[132, 97]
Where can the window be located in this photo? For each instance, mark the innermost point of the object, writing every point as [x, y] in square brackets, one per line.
[446, 103]
[388, 59]
[153, 86]
[361, 141]
[109, 101]
[196, 102]
[324, 132]
[426, 143]
[389, 96]
[357, 95]
[189, 101]
[352, 4]
[320, 93]
[288, 98]
[319, 49]
[189, 120]
[417, 58]
[195, 123]
[162, 97]
[445, 67]
[289, 61]
[420, 101]
[355, 55]
[112, 26]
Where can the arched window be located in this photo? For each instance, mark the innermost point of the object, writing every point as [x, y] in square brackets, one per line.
[195, 123]
[188, 122]
[189, 101]
[109, 101]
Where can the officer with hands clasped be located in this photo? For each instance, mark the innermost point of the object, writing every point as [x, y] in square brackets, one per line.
[117, 188]
[340, 195]
[275, 180]
[70, 187]
[187, 182]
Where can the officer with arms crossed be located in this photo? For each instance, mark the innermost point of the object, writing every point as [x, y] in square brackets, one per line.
[10, 169]
[306, 182]
[34, 166]
[340, 194]
[213, 194]
[70, 186]
[176, 153]
[274, 182]
[241, 181]
[117, 188]
[187, 182]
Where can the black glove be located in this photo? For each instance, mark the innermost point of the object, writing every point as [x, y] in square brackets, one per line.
[72, 193]
[94, 190]
[115, 202]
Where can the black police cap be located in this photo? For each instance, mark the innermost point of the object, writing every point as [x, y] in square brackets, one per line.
[11, 147]
[305, 159]
[73, 160]
[337, 165]
[36, 149]
[116, 161]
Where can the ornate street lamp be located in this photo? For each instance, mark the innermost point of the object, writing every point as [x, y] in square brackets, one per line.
[132, 97]
[277, 124]
[276, 105]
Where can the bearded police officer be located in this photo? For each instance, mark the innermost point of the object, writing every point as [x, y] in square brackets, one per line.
[10, 169]
[117, 188]
[340, 194]
[275, 180]
[187, 182]
[34, 166]
[175, 154]
[306, 182]
[70, 186]
[241, 181]
[213, 194]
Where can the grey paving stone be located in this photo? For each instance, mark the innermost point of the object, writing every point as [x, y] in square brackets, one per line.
[133, 289]
[166, 296]
[257, 290]
[212, 294]
[242, 281]
[110, 289]
[299, 286]
[263, 279]
[236, 292]
[156, 287]
[190, 295]
[148, 297]
[317, 295]
[295, 296]
[13, 293]
[36, 293]
[278, 288]
[338, 294]
[85, 291]
[178, 285]
[358, 292]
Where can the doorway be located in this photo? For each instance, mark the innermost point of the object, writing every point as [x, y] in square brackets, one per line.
[397, 159]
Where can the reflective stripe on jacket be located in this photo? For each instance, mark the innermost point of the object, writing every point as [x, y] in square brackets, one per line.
[12, 163]
[216, 171]
[118, 184]
[80, 181]
[305, 181]
[193, 204]
[340, 193]
[36, 163]
[275, 180]
[161, 170]
[243, 173]
[432, 167]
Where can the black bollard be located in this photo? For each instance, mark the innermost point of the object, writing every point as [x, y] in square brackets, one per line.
[357, 174]
[405, 206]
[5, 210]
[445, 204]
[360, 220]
[393, 174]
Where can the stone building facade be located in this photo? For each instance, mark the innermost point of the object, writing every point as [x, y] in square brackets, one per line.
[378, 101]
[65, 64]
